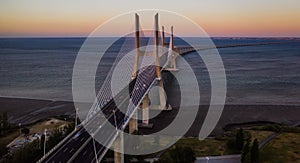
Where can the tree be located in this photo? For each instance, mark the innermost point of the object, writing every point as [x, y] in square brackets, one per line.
[55, 137]
[42, 140]
[25, 131]
[231, 144]
[239, 140]
[3, 149]
[4, 122]
[1, 125]
[165, 158]
[246, 152]
[30, 152]
[255, 152]
[69, 128]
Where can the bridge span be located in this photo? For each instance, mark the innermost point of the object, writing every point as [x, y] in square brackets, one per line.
[80, 145]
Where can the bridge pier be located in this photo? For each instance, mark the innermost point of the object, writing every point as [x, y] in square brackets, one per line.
[133, 123]
[119, 149]
[145, 110]
[162, 98]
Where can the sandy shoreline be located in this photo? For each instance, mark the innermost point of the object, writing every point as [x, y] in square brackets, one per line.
[28, 111]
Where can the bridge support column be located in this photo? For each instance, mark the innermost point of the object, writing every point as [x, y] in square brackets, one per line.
[145, 111]
[162, 98]
[133, 124]
[145, 108]
[119, 149]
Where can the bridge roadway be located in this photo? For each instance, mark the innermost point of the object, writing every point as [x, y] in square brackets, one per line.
[80, 145]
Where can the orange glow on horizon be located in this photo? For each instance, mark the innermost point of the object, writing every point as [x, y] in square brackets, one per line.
[84, 27]
[269, 24]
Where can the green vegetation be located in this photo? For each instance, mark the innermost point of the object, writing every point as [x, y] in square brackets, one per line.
[283, 148]
[32, 151]
[260, 135]
[178, 154]
[3, 149]
[5, 126]
[25, 131]
[239, 139]
[221, 145]
[205, 147]
[250, 155]
[9, 132]
[5, 129]
[277, 128]
[255, 152]
[245, 156]
[235, 144]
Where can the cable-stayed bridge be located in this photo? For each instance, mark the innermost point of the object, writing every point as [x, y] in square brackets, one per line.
[118, 111]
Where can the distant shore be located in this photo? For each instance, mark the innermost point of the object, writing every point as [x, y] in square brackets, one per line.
[27, 111]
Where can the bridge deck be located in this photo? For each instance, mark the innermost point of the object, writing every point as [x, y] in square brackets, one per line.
[80, 146]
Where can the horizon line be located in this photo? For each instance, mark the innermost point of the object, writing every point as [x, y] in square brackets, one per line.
[290, 37]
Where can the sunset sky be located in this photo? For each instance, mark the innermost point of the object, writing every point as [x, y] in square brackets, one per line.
[263, 18]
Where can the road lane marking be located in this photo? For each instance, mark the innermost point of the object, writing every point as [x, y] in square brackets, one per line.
[65, 149]
[71, 150]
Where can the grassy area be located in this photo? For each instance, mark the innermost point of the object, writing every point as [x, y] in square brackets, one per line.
[259, 135]
[218, 146]
[209, 146]
[284, 148]
[49, 124]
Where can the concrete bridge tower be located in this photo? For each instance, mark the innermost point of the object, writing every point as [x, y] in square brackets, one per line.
[133, 124]
[171, 61]
[138, 53]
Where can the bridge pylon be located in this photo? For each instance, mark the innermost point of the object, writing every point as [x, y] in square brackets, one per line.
[119, 144]
[133, 123]
[138, 53]
[162, 98]
[119, 149]
[163, 36]
[171, 61]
